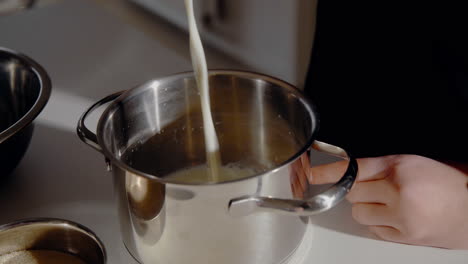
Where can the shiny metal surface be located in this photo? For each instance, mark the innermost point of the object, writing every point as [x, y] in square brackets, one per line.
[24, 91]
[52, 234]
[83, 132]
[313, 205]
[155, 129]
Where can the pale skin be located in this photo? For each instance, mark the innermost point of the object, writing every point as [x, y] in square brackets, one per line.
[403, 198]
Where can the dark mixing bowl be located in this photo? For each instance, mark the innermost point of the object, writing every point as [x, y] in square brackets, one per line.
[24, 91]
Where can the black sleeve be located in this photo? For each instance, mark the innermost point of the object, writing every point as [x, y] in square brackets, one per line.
[391, 78]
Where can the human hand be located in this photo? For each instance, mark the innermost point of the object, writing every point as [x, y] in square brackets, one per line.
[405, 198]
[299, 176]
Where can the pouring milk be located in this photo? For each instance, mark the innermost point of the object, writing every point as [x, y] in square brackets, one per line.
[201, 74]
[213, 171]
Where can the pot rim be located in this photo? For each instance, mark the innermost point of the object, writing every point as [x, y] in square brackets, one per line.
[41, 101]
[56, 222]
[114, 105]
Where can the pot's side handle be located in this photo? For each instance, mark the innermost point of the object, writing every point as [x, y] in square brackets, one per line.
[83, 132]
[319, 203]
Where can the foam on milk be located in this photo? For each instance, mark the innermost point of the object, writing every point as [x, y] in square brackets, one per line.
[198, 174]
[201, 75]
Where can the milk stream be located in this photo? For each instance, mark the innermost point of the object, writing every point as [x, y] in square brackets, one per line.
[201, 75]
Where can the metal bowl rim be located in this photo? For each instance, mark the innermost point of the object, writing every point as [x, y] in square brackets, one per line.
[57, 221]
[128, 93]
[41, 101]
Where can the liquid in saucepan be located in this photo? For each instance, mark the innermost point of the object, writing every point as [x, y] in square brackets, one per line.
[187, 150]
[200, 174]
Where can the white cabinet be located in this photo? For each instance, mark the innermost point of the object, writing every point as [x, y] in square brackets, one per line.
[271, 36]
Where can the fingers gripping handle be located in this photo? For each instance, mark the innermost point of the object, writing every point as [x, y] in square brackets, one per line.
[83, 132]
[322, 202]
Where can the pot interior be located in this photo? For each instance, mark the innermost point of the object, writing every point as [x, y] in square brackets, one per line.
[157, 128]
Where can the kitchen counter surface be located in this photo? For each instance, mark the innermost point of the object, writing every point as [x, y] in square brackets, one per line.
[91, 52]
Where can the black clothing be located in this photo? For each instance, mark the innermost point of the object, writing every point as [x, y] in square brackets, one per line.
[392, 77]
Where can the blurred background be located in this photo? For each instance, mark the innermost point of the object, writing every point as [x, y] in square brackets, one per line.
[269, 36]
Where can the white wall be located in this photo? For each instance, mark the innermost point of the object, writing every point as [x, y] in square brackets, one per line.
[271, 36]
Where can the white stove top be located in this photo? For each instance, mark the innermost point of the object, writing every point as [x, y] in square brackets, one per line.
[89, 54]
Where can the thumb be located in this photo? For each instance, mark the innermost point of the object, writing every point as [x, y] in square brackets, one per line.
[368, 169]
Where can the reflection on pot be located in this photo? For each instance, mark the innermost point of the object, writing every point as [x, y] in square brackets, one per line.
[299, 176]
[179, 194]
[146, 207]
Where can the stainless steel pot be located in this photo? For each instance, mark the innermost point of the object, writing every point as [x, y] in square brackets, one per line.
[150, 131]
[24, 91]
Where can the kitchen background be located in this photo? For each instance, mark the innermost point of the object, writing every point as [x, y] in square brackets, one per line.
[269, 36]
[92, 48]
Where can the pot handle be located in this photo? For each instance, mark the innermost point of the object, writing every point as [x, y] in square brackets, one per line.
[83, 132]
[319, 203]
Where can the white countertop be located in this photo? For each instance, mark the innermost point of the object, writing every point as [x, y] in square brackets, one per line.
[90, 53]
